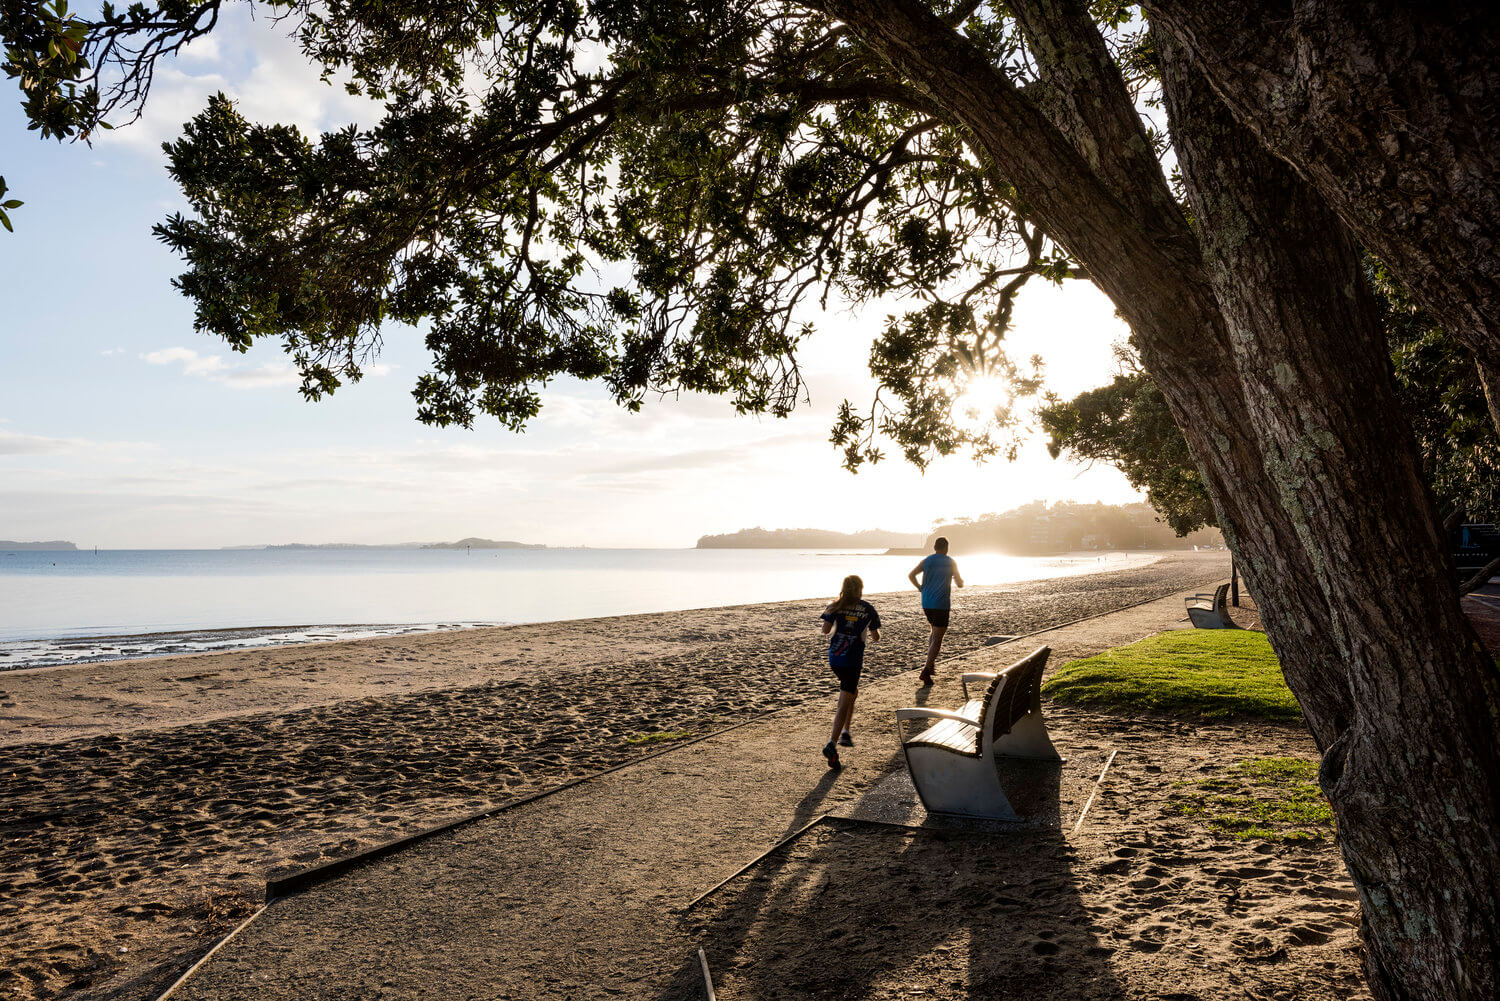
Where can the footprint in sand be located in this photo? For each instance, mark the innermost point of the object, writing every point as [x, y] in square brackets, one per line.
[1309, 935]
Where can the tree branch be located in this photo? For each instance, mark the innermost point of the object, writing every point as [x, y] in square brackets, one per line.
[1477, 581]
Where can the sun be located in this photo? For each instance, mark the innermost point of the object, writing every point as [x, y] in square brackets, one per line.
[983, 399]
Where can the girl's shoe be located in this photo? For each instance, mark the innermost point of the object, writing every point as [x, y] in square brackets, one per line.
[845, 740]
[832, 754]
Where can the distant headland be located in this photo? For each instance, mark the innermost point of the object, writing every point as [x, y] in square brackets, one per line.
[810, 538]
[52, 546]
[472, 542]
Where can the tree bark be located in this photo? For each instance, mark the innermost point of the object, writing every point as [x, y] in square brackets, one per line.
[1489, 381]
[1264, 342]
[1422, 752]
[1392, 112]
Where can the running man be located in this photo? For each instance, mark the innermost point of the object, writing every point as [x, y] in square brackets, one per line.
[938, 571]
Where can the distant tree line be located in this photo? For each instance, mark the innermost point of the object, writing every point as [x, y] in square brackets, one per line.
[1036, 528]
[809, 538]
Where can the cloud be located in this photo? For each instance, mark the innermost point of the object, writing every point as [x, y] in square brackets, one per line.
[219, 370]
[15, 443]
[738, 455]
[261, 376]
[193, 363]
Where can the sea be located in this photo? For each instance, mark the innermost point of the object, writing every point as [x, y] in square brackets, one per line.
[75, 607]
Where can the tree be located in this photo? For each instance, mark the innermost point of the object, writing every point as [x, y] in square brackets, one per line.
[1386, 110]
[739, 157]
[1443, 398]
[1128, 425]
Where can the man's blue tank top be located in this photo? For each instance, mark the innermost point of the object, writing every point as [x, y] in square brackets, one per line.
[937, 581]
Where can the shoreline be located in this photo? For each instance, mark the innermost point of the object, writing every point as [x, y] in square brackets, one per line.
[220, 639]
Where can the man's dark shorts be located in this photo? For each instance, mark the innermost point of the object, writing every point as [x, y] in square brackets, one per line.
[937, 616]
[848, 675]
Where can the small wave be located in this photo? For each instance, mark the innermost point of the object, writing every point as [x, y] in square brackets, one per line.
[19, 654]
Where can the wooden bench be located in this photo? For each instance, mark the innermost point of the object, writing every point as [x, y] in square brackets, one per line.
[1210, 611]
[953, 763]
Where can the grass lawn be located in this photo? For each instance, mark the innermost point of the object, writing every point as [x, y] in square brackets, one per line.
[1207, 674]
[1276, 799]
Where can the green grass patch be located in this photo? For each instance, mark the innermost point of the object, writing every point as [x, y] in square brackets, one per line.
[663, 737]
[1204, 674]
[1274, 799]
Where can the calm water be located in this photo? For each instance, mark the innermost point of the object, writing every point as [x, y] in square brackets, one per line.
[77, 606]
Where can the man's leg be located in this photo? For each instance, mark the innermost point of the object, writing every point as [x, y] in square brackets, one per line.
[934, 645]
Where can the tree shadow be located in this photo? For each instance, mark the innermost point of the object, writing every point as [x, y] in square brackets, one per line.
[855, 910]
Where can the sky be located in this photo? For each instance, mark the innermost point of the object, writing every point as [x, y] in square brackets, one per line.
[123, 427]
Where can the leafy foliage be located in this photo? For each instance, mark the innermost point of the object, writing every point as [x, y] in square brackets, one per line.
[1128, 425]
[1444, 401]
[44, 55]
[6, 204]
[643, 194]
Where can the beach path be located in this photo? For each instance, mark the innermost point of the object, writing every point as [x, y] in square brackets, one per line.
[576, 895]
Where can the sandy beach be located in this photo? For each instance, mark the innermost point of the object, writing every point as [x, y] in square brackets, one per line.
[146, 801]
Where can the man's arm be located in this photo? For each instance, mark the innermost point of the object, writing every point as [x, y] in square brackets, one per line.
[913, 576]
[827, 626]
[957, 579]
[875, 634]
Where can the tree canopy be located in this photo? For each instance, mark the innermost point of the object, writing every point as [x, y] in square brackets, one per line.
[640, 194]
[1127, 423]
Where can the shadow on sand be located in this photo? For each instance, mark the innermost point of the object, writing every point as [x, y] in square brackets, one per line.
[854, 909]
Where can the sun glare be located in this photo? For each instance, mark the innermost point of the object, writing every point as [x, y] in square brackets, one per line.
[981, 398]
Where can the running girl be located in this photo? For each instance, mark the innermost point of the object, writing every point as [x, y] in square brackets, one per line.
[850, 618]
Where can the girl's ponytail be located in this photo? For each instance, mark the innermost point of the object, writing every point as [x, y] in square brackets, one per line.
[849, 594]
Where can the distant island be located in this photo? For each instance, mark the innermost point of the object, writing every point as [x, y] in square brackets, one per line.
[52, 546]
[810, 538]
[473, 543]
[470, 543]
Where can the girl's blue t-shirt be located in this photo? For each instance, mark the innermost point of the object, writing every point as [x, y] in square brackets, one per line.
[847, 646]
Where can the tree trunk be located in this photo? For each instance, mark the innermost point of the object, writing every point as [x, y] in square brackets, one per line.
[1489, 381]
[1392, 112]
[1274, 366]
[1414, 778]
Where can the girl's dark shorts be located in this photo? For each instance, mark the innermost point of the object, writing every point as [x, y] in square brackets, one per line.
[937, 616]
[848, 676]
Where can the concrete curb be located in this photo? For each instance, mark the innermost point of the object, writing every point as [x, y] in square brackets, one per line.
[210, 953]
